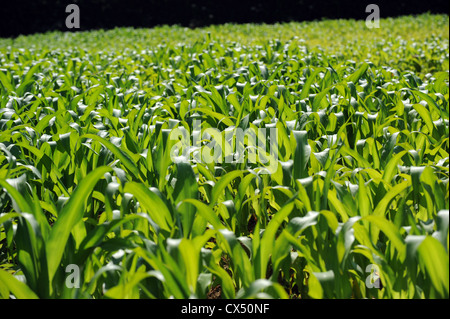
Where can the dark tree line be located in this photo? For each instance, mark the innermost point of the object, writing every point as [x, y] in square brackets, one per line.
[33, 16]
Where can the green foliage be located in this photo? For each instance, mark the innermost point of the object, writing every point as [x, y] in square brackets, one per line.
[88, 176]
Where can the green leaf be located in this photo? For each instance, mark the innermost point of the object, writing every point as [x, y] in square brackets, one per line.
[261, 284]
[206, 212]
[191, 261]
[426, 116]
[301, 155]
[434, 259]
[315, 289]
[382, 206]
[268, 238]
[318, 99]
[27, 79]
[305, 90]
[71, 214]
[442, 225]
[358, 74]
[392, 232]
[6, 83]
[152, 203]
[18, 288]
[222, 118]
[185, 187]
[338, 206]
[223, 182]
[121, 155]
[391, 166]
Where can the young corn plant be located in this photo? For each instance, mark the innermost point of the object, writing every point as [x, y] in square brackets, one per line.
[130, 166]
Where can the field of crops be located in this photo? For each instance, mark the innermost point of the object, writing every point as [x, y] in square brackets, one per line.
[129, 167]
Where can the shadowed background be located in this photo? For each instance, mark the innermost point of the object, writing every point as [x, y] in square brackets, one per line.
[28, 16]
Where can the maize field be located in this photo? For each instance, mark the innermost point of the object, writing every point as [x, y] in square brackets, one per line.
[130, 166]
